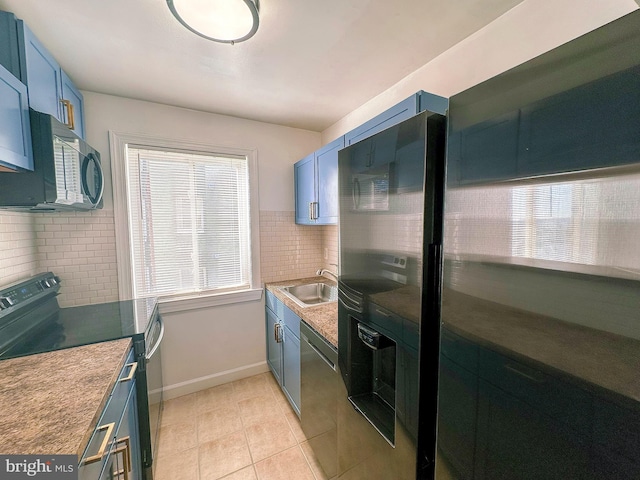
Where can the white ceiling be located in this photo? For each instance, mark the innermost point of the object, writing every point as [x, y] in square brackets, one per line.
[310, 63]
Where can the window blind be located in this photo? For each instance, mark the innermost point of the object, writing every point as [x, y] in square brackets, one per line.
[189, 221]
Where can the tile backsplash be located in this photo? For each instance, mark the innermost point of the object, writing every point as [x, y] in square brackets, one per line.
[79, 247]
[18, 247]
[289, 251]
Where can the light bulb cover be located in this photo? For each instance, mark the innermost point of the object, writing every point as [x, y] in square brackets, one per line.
[193, 15]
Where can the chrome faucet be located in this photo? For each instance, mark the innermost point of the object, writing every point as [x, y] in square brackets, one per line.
[322, 271]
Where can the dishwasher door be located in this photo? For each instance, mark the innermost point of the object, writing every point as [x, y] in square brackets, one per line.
[319, 393]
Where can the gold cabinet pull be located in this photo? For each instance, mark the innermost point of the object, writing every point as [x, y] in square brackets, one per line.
[98, 456]
[71, 121]
[132, 372]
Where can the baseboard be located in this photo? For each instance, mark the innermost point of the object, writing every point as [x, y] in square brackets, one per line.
[202, 383]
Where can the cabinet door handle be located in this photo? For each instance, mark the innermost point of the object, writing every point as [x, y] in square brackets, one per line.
[277, 329]
[71, 121]
[133, 367]
[316, 207]
[98, 456]
[125, 450]
[310, 210]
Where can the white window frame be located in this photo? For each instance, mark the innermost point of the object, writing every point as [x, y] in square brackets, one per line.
[118, 143]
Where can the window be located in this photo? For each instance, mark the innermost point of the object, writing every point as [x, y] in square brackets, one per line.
[188, 219]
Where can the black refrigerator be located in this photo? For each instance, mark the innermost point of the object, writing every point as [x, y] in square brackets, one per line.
[540, 336]
[391, 194]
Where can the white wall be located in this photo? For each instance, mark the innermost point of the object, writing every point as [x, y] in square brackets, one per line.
[524, 32]
[208, 346]
[278, 147]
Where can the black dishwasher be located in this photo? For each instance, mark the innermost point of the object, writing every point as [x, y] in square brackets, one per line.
[319, 392]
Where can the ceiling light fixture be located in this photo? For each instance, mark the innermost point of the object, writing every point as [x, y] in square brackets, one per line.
[224, 21]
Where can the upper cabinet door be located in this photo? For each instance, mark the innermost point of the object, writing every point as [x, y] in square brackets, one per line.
[304, 173]
[43, 78]
[327, 177]
[73, 116]
[15, 139]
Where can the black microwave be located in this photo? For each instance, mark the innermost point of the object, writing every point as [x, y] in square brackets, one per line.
[67, 172]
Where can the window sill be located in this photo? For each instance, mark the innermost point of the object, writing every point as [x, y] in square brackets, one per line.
[175, 305]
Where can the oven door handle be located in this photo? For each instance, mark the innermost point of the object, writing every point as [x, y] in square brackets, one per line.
[155, 347]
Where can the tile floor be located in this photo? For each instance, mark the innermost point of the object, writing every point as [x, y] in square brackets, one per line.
[243, 430]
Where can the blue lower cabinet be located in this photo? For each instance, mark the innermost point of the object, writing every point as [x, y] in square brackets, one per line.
[274, 342]
[291, 368]
[113, 450]
[283, 348]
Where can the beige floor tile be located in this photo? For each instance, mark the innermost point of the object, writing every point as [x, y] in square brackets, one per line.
[251, 387]
[223, 456]
[255, 409]
[213, 398]
[248, 473]
[218, 423]
[296, 428]
[177, 437]
[282, 401]
[183, 465]
[287, 465]
[271, 381]
[269, 437]
[179, 410]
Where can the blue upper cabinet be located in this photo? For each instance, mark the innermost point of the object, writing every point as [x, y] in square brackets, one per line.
[73, 113]
[327, 182]
[316, 175]
[316, 185]
[15, 139]
[49, 88]
[305, 186]
[416, 103]
[41, 73]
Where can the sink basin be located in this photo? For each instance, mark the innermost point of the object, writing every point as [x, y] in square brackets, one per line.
[312, 294]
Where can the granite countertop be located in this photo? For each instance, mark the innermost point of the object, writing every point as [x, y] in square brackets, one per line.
[51, 402]
[322, 318]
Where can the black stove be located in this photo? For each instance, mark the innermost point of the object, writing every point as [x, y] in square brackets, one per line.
[31, 321]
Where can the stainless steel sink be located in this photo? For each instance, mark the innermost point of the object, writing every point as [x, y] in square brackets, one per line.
[312, 294]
